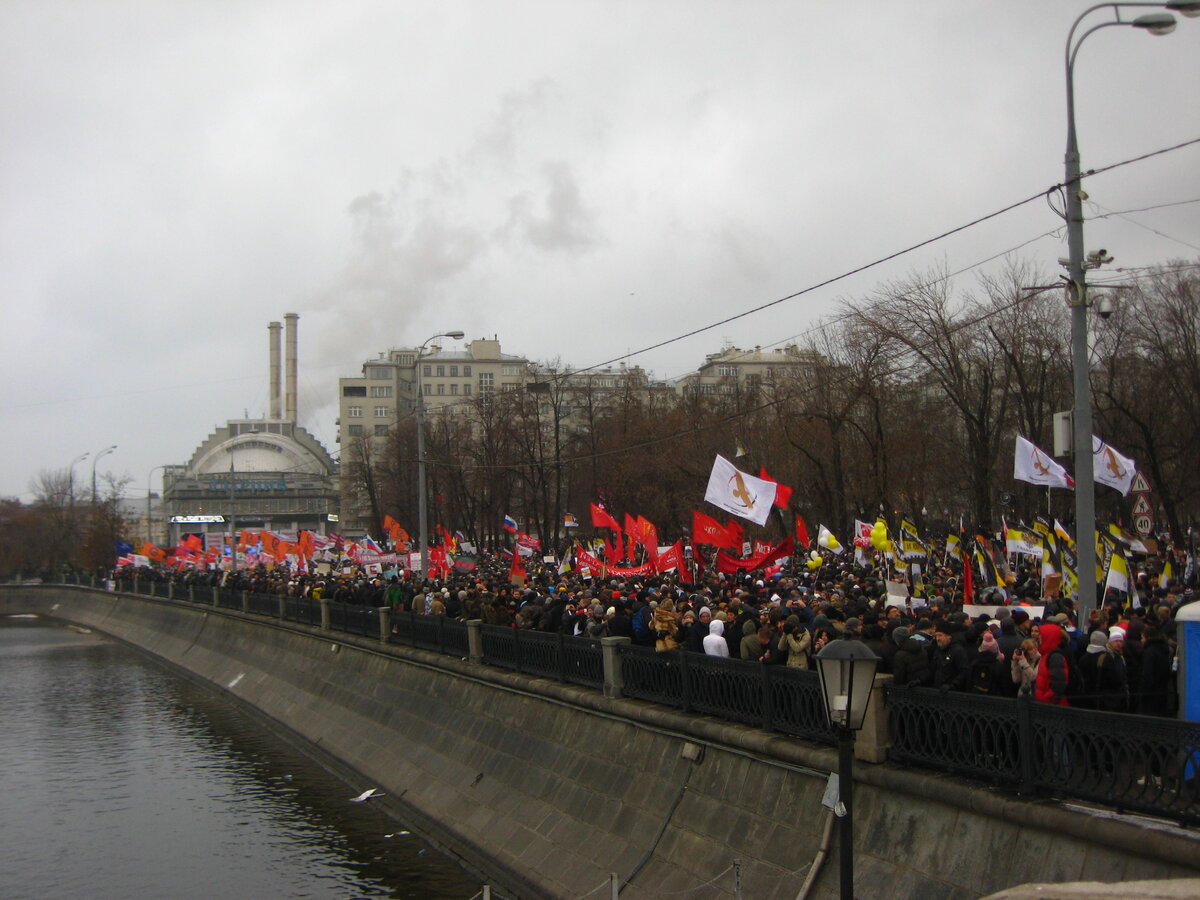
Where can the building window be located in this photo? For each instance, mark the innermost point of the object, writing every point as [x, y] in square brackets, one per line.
[379, 373]
[381, 390]
[508, 386]
[466, 371]
[454, 390]
[406, 359]
[441, 371]
[487, 382]
[454, 371]
[427, 388]
[383, 412]
[727, 371]
[356, 431]
[354, 412]
[441, 389]
[510, 370]
[426, 371]
[381, 431]
[354, 391]
[466, 390]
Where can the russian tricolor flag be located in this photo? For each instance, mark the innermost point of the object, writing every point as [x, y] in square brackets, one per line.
[510, 524]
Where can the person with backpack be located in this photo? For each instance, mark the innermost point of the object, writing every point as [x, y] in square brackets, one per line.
[988, 670]
[643, 630]
[1055, 671]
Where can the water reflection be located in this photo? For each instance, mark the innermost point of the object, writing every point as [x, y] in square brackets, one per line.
[122, 779]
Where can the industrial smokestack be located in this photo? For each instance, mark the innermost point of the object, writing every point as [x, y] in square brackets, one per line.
[276, 374]
[289, 403]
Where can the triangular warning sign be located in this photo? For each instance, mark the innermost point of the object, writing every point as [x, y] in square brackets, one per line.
[1141, 506]
[1140, 484]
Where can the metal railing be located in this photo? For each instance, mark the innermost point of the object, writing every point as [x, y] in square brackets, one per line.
[436, 633]
[775, 698]
[1132, 763]
[574, 660]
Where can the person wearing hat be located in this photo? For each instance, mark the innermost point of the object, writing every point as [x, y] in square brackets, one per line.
[949, 660]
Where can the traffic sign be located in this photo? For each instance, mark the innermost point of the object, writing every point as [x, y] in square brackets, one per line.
[1140, 484]
[1143, 525]
[1141, 506]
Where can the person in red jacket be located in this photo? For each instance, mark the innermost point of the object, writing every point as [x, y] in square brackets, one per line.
[1054, 670]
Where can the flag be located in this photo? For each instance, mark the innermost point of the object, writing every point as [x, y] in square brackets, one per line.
[728, 565]
[510, 524]
[739, 493]
[1111, 468]
[124, 548]
[826, 540]
[371, 545]
[862, 534]
[1019, 540]
[1117, 578]
[516, 570]
[739, 450]
[601, 519]
[783, 493]
[1031, 464]
[1168, 574]
[912, 548]
[802, 532]
[707, 530]
[671, 558]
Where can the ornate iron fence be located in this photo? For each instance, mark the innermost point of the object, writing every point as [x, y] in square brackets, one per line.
[571, 659]
[1133, 763]
[777, 698]
[436, 633]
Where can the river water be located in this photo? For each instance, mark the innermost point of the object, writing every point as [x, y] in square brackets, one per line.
[121, 779]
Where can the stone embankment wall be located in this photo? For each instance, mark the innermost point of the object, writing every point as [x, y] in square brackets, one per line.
[549, 788]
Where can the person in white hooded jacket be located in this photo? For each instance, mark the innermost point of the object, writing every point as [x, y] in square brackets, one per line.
[714, 641]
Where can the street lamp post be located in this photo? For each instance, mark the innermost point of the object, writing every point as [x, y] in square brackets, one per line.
[1077, 265]
[847, 672]
[422, 499]
[96, 459]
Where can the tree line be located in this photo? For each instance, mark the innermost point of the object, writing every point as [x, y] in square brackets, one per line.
[921, 388]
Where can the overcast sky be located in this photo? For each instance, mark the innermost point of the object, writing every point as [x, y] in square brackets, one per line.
[582, 179]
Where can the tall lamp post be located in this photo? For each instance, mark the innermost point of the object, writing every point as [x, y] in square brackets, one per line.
[96, 459]
[71, 477]
[422, 499]
[847, 672]
[1077, 299]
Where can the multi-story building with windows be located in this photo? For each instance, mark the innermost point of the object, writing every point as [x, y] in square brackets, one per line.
[371, 405]
[733, 370]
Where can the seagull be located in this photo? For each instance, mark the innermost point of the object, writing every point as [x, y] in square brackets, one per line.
[367, 795]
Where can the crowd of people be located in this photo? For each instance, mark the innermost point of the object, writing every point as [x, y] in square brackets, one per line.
[1120, 659]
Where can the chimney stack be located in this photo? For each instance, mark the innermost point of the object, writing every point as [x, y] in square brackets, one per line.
[276, 386]
[289, 403]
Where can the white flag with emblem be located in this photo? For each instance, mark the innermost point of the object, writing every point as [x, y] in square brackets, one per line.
[1034, 465]
[740, 493]
[1111, 468]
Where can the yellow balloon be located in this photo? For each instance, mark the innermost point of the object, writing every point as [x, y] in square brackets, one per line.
[814, 564]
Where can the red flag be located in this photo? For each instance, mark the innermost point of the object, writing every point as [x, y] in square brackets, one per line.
[728, 565]
[737, 535]
[648, 537]
[671, 558]
[783, 493]
[802, 532]
[707, 530]
[517, 570]
[968, 576]
[601, 519]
